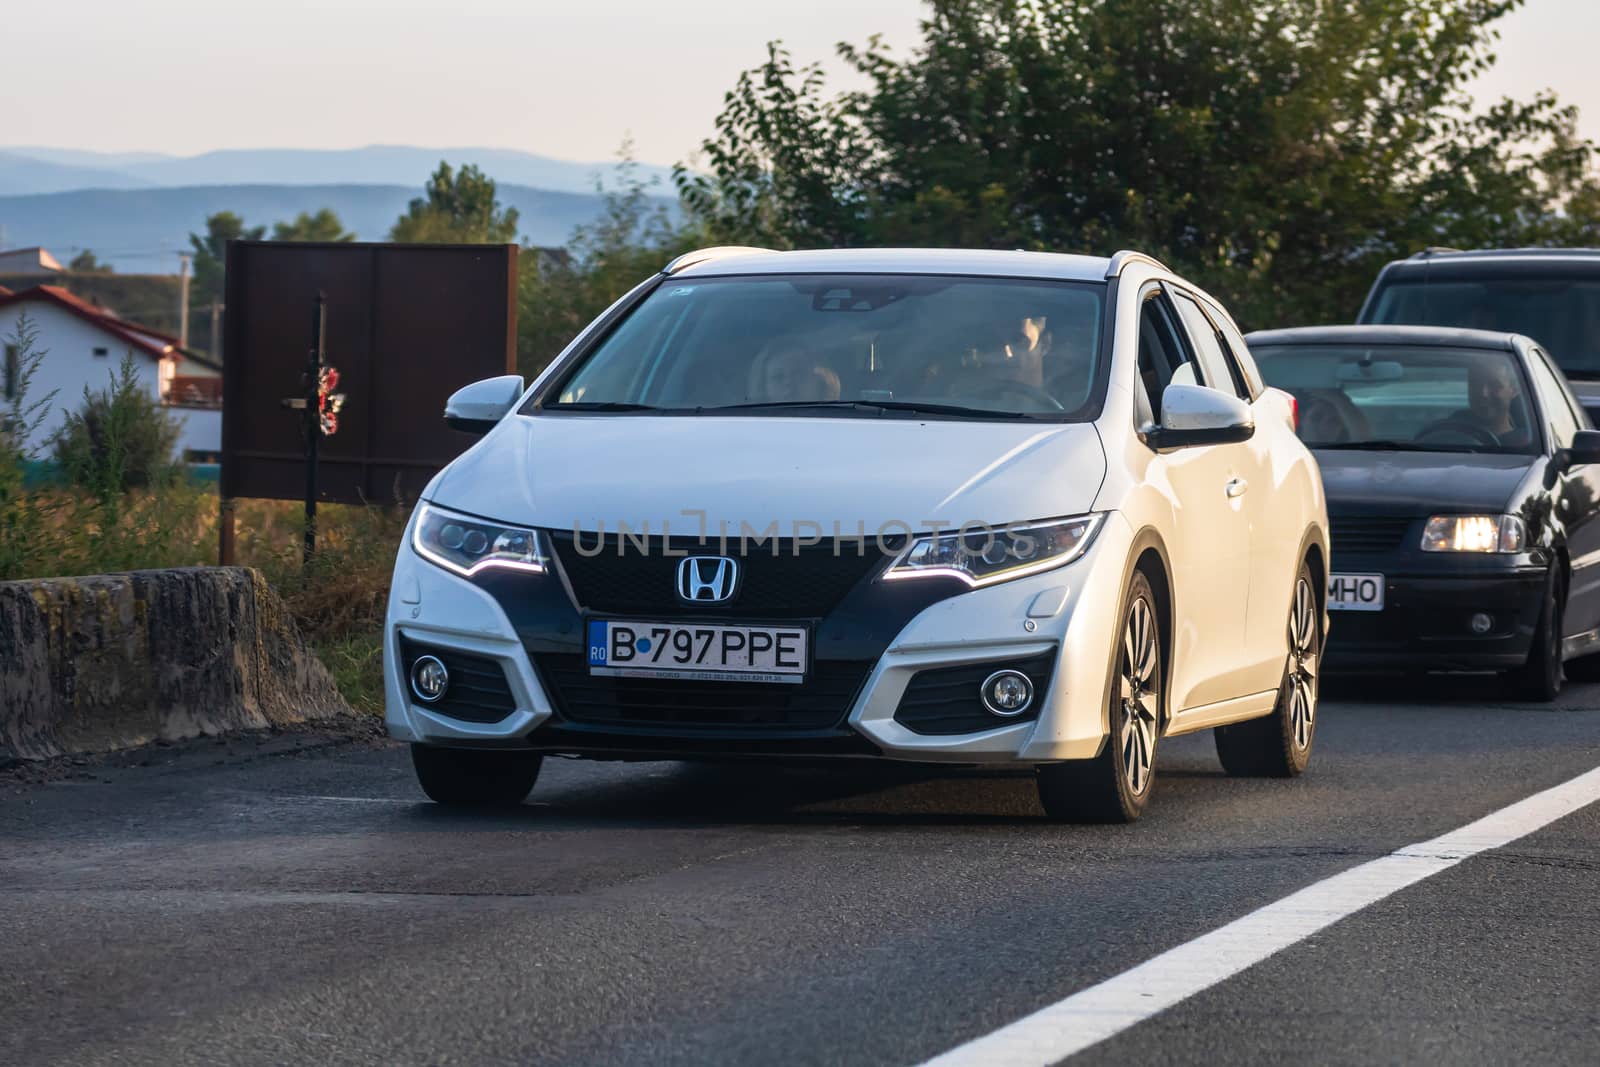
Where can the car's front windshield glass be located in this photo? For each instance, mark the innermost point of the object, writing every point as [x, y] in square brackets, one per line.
[1561, 314]
[1418, 398]
[956, 347]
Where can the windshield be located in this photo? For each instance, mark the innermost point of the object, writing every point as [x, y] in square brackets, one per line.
[1404, 397]
[852, 344]
[1562, 315]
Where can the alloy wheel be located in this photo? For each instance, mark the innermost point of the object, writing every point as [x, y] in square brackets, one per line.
[1303, 665]
[1139, 680]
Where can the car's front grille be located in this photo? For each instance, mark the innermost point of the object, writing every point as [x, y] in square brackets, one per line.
[801, 582]
[946, 700]
[1366, 533]
[678, 706]
[478, 691]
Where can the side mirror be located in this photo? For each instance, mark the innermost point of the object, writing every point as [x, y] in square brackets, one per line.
[477, 407]
[1194, 415]
[1585, 448]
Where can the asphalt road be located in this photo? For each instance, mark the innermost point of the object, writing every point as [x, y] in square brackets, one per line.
[292, 900]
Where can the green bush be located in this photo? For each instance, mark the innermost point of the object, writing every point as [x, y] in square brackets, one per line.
[120, 439]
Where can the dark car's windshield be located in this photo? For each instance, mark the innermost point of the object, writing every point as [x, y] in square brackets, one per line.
[1561, 314]
[1418, 398]
[852, 344]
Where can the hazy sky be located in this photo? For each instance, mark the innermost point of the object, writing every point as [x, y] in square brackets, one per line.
[567, 79]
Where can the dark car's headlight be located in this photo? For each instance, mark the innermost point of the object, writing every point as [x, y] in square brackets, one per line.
[1474, 533]
[985, 555]
[467, 545]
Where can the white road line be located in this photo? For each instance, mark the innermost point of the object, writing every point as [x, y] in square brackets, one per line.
[1088, 1017]
[350, 800]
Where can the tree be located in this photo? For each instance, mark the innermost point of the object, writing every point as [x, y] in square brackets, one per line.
[323, 226]
[1276, 150]
[559, 294]
[85, 263]
[211, 253]
[458, 207]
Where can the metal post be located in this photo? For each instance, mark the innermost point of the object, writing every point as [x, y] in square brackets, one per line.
[183, 300]
[225, 532]
[314, 357]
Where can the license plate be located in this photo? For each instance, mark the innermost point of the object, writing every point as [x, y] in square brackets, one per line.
[1355, 592]
[696, 652]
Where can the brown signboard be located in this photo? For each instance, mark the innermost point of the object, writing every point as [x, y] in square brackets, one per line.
[406, 326]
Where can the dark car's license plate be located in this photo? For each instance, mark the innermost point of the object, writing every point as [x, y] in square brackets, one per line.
[1355, 592]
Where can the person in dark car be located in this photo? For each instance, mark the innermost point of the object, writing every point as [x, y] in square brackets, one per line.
[1494, 402]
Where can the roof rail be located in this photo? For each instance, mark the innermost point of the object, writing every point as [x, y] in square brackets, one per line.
[1128, 255]
[1433, 250]
[705, 255]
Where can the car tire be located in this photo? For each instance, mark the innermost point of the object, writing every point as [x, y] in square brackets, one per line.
[475, 778]
[1115, 786]
[1279, 745]
[1539, 680]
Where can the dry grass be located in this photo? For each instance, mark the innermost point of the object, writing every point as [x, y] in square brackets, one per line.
[340, 599]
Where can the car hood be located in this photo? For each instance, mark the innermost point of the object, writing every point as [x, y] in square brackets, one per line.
[1420, 482]
[579, 472]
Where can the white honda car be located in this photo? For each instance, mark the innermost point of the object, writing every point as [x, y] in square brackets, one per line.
[960, 507]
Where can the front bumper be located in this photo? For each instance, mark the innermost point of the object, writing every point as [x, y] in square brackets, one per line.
[1426, 622]
[1000, 624]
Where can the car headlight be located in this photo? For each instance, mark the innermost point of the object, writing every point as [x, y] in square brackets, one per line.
[1474, 533]
[467, 545]
[985, 555]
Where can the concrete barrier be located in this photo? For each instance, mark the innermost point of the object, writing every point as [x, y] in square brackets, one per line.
[115, 660]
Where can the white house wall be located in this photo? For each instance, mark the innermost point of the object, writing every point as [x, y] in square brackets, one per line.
[68, 343]
[201, 429]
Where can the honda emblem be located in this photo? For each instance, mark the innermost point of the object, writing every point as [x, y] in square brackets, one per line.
[707, 579]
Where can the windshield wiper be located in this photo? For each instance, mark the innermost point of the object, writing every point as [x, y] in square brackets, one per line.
[1393, 446]
[873, 405]
[600, 405]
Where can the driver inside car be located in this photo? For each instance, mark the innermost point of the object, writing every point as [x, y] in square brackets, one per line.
[1007, 365]
[1492, 400]
[1495, 407]
[1016, 351]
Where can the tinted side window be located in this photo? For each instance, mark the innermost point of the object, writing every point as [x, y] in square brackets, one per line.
[1558, 411]
[1214, 368]
[1241, 354]
[1163, 356]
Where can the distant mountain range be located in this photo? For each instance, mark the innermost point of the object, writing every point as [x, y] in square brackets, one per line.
[140, 231]
[135, 210]
[25, 169]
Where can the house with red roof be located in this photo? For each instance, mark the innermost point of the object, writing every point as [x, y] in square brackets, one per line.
[83, 348]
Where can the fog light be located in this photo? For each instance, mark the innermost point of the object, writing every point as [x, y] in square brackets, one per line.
[1482, 622]
[1007, 693]
[429, 679]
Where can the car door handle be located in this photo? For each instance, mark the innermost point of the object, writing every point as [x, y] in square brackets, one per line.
[1235, 488]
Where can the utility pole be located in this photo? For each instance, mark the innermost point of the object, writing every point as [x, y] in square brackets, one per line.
[183, 300]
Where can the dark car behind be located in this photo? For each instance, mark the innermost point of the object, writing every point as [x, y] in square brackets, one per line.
[1549, 294]
[1458, 542]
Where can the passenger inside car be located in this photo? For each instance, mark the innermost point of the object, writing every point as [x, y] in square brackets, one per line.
[787, 371]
